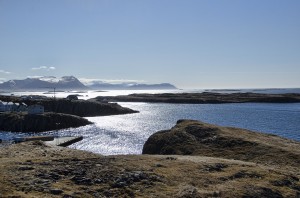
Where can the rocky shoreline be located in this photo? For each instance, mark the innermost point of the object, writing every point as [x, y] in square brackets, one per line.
[59, 114]
[23, 122]
[204, 98]
[83, 108]
[34, 169]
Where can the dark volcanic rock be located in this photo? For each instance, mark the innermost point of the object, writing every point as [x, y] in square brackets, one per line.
[56, 191]
[261, 192]
[190, 137]
[21, 122]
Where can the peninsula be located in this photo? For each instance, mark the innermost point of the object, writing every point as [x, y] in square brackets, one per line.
[84, 108]
[59, 114]
[204, 98]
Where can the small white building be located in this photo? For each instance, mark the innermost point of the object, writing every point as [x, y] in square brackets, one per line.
[9, 106]
[35, 109]
[2, 106]
[22, 107]
[6, 106]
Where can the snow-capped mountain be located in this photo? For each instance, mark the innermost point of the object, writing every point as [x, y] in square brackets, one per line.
[44, 83]
[130, 86]
[72, 83]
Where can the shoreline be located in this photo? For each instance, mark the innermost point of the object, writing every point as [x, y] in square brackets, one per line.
[23, 122]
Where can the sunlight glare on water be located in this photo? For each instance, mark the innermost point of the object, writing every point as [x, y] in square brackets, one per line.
[126, 134]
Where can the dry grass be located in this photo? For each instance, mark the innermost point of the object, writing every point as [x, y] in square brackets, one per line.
[33, 169]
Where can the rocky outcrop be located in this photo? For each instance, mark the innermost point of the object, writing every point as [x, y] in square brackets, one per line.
[205, 98]
[23, 122]
[190, 137]
[82, 108]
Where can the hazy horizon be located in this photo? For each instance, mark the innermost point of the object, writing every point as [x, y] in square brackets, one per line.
[196, 44]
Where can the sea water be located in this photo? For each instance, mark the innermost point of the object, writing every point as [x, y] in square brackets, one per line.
[126, 134]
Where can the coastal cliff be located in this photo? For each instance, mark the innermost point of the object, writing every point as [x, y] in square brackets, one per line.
[23, 122]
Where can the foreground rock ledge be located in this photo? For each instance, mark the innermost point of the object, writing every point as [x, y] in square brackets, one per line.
[189, 137]
[34, 169]
[23, 122]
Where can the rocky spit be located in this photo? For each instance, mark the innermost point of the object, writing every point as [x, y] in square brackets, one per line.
[213, 162]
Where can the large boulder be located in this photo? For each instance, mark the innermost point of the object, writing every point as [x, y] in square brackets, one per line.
[189, 137]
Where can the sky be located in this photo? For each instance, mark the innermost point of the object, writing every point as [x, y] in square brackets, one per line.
[189, 43]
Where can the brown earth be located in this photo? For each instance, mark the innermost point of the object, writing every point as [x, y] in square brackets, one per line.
[34, 169]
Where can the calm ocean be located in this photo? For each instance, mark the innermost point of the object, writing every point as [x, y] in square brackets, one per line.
[126, 134]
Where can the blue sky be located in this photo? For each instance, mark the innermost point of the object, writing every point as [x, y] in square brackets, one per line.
[192, 44]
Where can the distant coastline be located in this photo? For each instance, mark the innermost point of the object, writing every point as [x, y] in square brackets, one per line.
[205, 98]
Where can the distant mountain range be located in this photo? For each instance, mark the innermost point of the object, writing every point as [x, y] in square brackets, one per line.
[43, 83]
[130, 86]
[72, 83]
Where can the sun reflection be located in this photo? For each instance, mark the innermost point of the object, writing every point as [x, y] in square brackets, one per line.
[126, 134]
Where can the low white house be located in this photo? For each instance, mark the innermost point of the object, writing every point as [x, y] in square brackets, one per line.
[2, 106]
[10, 106]
[35, 109]
[22, 107]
